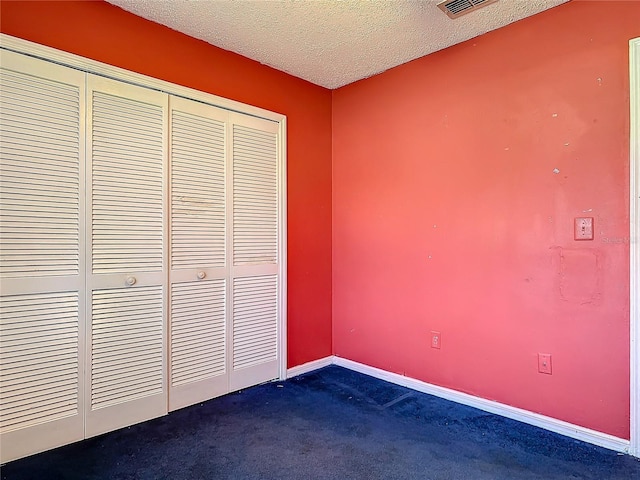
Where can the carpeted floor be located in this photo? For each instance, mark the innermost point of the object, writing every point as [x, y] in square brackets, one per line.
[329, 424]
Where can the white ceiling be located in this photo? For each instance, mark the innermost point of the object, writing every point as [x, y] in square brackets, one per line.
[328, 42]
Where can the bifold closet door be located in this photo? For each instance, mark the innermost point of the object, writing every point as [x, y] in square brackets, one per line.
[254, 243]
[126, 158]
[198, 275]
[42, 258]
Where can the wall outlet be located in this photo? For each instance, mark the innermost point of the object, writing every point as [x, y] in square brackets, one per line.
[436, 339]
[544, 363]
[583, 228]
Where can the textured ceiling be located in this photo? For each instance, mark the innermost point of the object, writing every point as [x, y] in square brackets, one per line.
[328, 42]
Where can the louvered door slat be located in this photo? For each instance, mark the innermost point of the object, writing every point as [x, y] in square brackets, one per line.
[23, 331]
[127, 177]
[207, 321]
[15, 378]
[40, 182]
[255, 198]
[255, 321]
[111, 385]
[197, 191]
[198, 341]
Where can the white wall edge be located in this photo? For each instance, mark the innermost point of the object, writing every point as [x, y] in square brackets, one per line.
[634, 241]
[282, 250]
[554, 425]
[310, 366]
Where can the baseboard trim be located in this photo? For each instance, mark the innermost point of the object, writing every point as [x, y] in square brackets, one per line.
[310, 366]
[548, 423]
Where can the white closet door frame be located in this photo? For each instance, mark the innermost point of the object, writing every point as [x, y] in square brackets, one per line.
[634, 243]
[43, 429]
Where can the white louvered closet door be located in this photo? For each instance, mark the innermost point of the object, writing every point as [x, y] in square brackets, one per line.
[42, 264]
[198, 275]
[254, 245]
[126, 152]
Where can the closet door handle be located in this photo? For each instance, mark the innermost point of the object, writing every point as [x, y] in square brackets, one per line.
[201, 275]
[130, 281]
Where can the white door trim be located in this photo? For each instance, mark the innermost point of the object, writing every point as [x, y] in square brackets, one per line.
[282, 247]
[634, 241]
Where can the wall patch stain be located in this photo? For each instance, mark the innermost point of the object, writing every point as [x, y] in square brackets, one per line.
[580, 275]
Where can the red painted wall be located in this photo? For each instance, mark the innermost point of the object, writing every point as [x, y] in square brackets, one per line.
[106, 33]
[447, 213]
[456, 179]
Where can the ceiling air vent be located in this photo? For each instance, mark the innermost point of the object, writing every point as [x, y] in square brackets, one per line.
[457, 8]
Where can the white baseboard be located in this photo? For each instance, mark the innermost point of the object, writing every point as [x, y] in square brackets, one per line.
[552, 424]
[310, 366]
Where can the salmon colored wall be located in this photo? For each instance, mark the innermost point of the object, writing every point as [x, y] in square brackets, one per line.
[106, 33]
[456, 179]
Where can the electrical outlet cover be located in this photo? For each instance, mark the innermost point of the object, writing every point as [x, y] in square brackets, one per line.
[583, 228]
[544, 363]
[436, 339]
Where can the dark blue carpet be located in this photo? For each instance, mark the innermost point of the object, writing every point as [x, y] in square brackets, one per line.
[329, 424]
